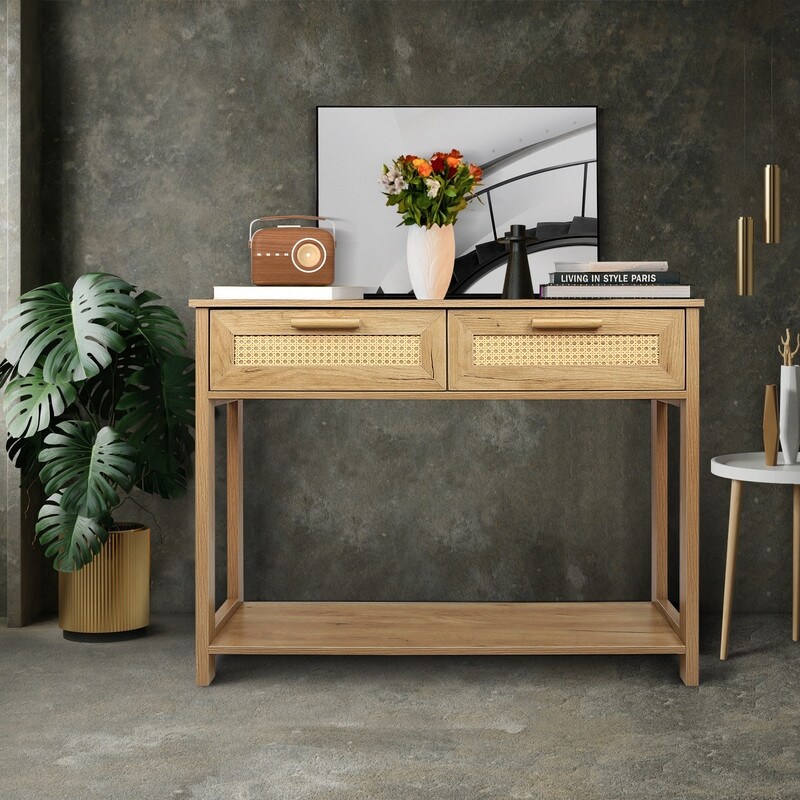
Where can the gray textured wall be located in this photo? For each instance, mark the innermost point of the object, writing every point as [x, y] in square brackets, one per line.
[168, 126]
[27, 584]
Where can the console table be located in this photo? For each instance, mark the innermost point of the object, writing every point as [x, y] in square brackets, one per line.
[448, 350]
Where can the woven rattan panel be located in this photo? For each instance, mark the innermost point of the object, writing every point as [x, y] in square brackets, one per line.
[591, 350]
[334, 350]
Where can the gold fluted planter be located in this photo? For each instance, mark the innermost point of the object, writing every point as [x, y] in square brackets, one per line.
[111, 594]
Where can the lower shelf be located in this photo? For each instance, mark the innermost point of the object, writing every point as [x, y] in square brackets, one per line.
[446, 629]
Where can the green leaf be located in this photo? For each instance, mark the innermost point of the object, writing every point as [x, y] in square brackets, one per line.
[70, 539]
[30, 403]
[159, 326]
[6, 371]
[157, 413]
[101, 394]
[24, 454]
[75, 334]
[85, 468]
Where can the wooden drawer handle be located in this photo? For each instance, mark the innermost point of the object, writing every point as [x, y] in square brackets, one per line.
[325, 323]
[562, 323]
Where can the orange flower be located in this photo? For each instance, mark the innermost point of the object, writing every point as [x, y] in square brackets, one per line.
[422, 166]
[475, 172]
[454, 158]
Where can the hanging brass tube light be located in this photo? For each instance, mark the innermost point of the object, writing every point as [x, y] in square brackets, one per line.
[744, 256]
[772, 204]
[772, 172]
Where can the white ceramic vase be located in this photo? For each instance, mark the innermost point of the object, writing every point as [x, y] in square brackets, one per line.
[789, 422]
[431, 253]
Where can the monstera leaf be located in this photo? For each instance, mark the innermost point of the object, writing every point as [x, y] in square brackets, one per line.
[157, 334]
[86, 468]
[24, 454]
[75, 335]
[6, 371]
[69, 539]
[159, 326]
[156, 415]
[30, 403]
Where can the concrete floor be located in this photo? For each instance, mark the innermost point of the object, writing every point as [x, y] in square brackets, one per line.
[124, 720]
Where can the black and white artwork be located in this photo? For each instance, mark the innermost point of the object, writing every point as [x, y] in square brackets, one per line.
[539, 170]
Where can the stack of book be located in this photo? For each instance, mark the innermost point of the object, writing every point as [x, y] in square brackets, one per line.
[602, 279]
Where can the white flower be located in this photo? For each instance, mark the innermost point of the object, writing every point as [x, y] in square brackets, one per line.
[393, 181]
[433, 186]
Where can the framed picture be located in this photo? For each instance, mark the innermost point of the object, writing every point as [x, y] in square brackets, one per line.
[539, 169]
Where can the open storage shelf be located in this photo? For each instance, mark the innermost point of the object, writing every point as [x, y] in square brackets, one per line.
[446, 629]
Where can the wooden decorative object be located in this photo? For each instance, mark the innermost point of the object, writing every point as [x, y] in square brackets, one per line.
[785, 349]
[771, 424]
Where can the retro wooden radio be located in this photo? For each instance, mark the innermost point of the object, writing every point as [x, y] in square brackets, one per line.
[291, 255]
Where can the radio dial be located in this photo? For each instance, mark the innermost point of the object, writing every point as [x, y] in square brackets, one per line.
[308, 255]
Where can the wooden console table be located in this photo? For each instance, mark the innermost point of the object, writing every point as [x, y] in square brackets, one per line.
[448, 350]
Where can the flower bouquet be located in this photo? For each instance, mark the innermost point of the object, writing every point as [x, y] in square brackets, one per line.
[431, 191]
[429, 194]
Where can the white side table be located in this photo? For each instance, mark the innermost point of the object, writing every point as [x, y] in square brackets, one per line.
[738, 468]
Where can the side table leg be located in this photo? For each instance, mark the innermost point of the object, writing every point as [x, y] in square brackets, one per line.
[204, 508]
[730, 561]
[235, 501]
[689, 557]
[796, 565]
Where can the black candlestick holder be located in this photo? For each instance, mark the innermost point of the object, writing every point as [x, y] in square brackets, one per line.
[518, 284]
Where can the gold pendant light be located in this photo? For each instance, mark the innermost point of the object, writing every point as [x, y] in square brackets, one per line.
[744, 226]
[772, 204]
[772, 172]
[744, 256]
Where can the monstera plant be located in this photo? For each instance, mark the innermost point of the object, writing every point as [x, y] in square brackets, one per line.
[97, 396]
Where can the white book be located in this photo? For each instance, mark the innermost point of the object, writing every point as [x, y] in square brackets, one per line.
[612, 266]
[665, 290]
[289, 292]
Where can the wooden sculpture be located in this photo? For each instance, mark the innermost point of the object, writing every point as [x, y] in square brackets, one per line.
[785, 348]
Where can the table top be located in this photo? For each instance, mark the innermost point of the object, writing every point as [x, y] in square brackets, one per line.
[751, 467]
[477, 303]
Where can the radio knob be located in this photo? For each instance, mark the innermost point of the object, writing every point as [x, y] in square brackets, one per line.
[309, 255]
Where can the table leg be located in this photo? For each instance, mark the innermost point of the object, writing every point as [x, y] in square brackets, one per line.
[689, 557]
[796, 565]
[235, 501]
[204, 508]
[730, 564]
[659, 548]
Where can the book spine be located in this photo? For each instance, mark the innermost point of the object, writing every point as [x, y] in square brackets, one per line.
[612, 266]
[678, 291]
[614, 278]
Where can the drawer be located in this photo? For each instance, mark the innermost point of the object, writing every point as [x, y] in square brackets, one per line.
[328, 350]
[622, 350]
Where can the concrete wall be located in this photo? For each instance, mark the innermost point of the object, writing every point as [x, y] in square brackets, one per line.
[26, 583]
[168, 126]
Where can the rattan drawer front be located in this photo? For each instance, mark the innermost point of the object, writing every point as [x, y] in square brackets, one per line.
[328, 350]
[603, 349]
